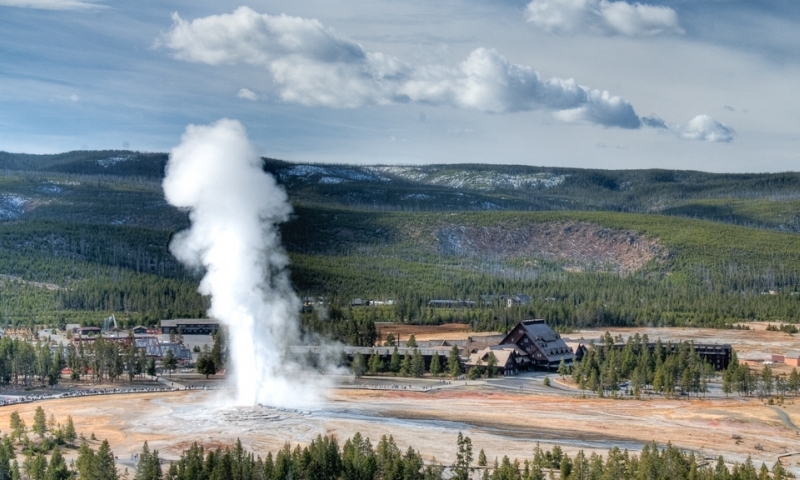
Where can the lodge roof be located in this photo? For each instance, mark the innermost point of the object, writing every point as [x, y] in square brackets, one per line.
[188, 321]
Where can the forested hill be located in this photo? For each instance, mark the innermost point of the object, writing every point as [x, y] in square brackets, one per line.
[762, 200]
[87, 162]
[85, 234]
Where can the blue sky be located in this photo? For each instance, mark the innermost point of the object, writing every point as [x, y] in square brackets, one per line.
[707, 84]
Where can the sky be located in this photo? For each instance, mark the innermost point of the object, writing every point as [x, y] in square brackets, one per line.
[695, 85]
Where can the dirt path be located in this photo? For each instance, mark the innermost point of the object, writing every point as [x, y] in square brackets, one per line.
[785, 418]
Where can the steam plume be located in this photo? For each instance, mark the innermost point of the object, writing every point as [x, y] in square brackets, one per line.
[234, 208]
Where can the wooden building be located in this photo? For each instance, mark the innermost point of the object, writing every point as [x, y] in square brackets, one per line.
[542, 348]
[792, 358]
[507, 359]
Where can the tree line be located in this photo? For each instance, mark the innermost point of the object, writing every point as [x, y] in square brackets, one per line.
[668, 371]
[412, 364]
[357, 459]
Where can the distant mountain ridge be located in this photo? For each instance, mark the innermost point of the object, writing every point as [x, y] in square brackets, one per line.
[763, 200]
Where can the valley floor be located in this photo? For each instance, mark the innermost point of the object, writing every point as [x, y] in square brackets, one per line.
[428, 416]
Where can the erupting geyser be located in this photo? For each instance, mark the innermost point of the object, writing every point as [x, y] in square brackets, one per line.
[234, 208]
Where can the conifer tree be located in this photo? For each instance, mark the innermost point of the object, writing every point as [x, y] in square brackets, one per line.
[57, 469]
[394, 362]
[454, 362]
[375, 363]
[69, 431]
[358, 366]
[405, 366]
[39, 422]
[436, 365]
[417, 364]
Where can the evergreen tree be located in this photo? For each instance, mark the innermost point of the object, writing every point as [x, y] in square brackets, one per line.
[462, 468]
[106, 470]
[39, 422]
[151, 365]
[491, 365]
[17, 425]
[205, 365]
[357, 366]
[69, 431]
[436, 365]
[454, 362]
[54, 374]
[15, 473]
[358, 459]
[394, 362]
[35, 466]
[149, 466]
[86, 463]
[131, 356]
[375, 363]
[57, 469]
[405, 365]
[562, 369]
[417, 364]
[170, 362]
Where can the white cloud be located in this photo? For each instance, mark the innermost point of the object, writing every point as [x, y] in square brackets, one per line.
[704, 127]
[74, 98]
[247, 94]
[311, 64]
[602, 17]
[51, 4]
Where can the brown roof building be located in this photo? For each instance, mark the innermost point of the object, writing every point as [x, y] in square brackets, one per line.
[542, 346]
[507, 359]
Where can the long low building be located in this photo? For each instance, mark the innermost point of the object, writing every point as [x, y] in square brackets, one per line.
[190, 326]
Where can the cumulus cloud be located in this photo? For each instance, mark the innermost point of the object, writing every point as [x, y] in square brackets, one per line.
[654, 121]
[51, 4]
[313, 65]
[247, 94]
[602, 17]
[701, 127]
[704, 127]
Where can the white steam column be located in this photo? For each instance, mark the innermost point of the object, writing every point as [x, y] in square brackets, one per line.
[234, 207]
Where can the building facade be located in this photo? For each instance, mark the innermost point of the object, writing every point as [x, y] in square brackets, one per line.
[541, 347]
[190, 326]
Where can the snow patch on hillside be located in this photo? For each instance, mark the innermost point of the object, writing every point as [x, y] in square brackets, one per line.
[472, 179]
[107, 162]
[12, 206]
[330, 175]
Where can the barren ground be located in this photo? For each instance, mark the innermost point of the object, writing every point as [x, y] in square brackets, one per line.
[501, 423]
[448, 331]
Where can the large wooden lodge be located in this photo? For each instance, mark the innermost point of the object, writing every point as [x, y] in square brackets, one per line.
[530, 345]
